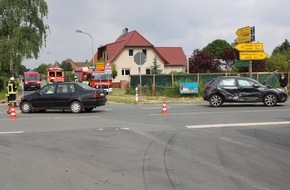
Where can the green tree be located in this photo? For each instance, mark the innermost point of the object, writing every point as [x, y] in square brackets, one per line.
[114, 70]
[278, 61]
[282, 48]
[66, 66]
[42, 69]
[155, 69]
[22, 69]
[22, 31]
[217, 47]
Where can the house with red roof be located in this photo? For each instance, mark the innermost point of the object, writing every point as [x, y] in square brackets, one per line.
[121, 53]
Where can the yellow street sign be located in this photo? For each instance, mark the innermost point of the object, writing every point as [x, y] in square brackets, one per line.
[243, 31]
[249, 47]
[100, 66]
[243, 39]
[253, 55]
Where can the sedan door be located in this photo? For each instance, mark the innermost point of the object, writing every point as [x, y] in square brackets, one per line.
[229, 89]
[43, 99]
[248, 90]
[63, 96]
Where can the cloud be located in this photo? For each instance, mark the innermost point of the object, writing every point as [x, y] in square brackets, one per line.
[190, 24]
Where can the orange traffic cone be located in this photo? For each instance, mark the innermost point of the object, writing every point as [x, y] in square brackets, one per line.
[13, 114]
[164, 109]
[10, 109]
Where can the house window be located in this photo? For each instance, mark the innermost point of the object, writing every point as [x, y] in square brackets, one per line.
[131, 52]
[148, 71]
[144, 51]
[125, 72]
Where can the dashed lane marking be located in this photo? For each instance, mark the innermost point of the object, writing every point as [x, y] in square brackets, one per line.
[11, 132]
[237, 124]
[50, 118]
[116, 129]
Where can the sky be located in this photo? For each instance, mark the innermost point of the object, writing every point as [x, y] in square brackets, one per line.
[189, 24]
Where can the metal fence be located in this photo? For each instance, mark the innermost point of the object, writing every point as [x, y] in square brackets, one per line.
[168, 81]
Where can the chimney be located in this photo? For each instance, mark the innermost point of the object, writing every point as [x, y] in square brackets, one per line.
[125, 31]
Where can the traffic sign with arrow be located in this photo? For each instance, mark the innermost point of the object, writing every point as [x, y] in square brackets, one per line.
[253, 55]
[243, 31]
[249, 47]
[243, 39]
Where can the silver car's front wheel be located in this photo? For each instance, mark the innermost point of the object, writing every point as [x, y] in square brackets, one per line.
[76, 107]
[216, 100]
[270, 99]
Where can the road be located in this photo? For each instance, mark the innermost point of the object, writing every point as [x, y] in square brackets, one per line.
[123, 147]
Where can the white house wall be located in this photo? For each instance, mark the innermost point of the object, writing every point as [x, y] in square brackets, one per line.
[124, 61]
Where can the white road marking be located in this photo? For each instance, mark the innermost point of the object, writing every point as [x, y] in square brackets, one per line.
[237, 124]
[222, 112]
[51, 118]
[12, 132]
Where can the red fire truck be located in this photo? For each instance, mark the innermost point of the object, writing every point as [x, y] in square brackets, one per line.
[55, 75]
[96, 79]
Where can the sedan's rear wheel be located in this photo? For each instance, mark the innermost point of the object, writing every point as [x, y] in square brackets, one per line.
[76, 107]
[270, 99]
[26, 107]
[216, 100]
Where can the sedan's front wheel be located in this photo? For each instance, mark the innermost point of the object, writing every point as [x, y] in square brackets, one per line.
[216, 100]
[270, 99]
[26, 107]
[76, 107]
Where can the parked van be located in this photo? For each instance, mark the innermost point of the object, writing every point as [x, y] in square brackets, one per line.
[31, 80]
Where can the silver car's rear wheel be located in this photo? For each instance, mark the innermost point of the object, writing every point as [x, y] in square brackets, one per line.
[216, 100]
[270, 99]
[76, 107]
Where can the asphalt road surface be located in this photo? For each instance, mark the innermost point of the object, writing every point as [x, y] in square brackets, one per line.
[135, 147]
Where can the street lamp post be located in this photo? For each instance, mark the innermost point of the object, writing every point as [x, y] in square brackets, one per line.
[93, 51]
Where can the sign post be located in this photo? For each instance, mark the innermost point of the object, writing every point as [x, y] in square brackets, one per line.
[140, 59]
[248, 51]
[108, 70]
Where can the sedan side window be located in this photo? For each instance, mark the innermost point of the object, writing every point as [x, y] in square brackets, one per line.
[227, 82]
[246, 83]
[65, 88]
[71, 88]
[49, 89]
